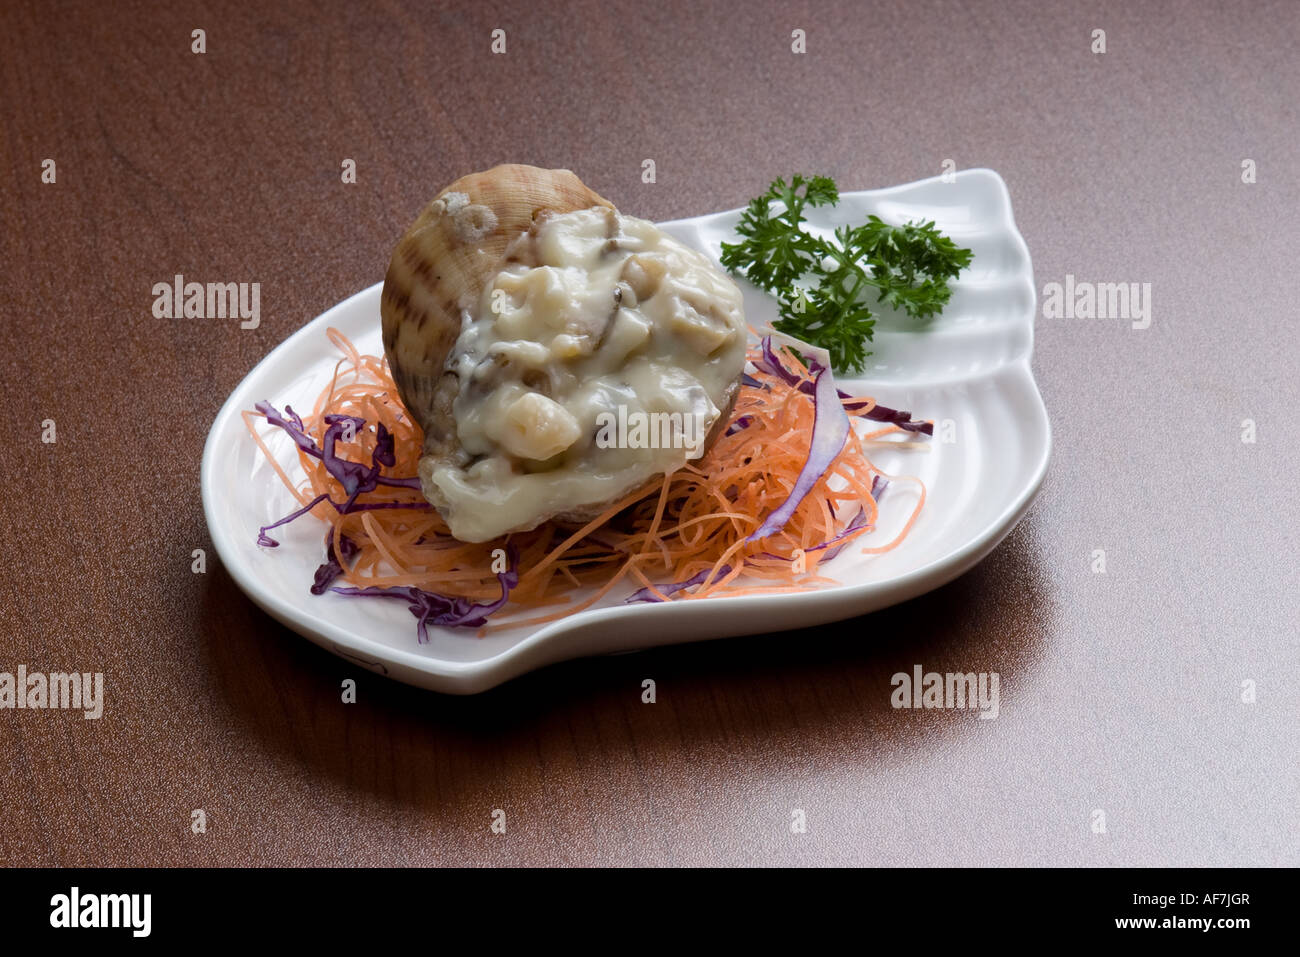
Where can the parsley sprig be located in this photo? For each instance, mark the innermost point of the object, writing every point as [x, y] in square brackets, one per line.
[819, 281]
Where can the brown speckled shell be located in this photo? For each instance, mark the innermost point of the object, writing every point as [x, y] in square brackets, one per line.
[440, 268]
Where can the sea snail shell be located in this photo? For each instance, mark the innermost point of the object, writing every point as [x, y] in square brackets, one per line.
[517, 304]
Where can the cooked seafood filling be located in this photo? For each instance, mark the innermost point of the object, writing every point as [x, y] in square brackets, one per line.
[601, 354]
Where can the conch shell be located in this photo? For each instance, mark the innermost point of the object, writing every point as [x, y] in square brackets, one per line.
[436, 278]
[440, 267]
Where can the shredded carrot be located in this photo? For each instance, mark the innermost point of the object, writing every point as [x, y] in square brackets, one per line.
[692, 522]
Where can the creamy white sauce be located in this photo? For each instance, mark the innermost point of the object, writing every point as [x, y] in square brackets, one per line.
[603, 311]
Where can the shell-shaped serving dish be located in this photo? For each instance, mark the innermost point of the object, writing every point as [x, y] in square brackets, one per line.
[968, 369]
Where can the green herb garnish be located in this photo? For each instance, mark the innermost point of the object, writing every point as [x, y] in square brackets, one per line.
[909, 266]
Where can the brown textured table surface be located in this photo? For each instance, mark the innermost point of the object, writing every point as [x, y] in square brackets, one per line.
[1122, 692]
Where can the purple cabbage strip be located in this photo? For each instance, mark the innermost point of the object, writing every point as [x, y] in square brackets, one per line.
[293, 425]
[334, 562]
[350, 506]
[771, 364]
[830, 432]
[903, 420]
[343, 508]
[440, 610]
[264, 539]
[740, 423]
[645, 594]
[836, 544]
[354, 476]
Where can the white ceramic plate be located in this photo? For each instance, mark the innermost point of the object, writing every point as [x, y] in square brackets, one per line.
[969, 366]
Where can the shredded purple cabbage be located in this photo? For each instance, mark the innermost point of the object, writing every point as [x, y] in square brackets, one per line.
[355, 477]
[268, 541]
[334, 562]
[837, 543]
[741, 423]
[830, 431]
[881, 413]
[440, 610]
[350, 474]
[645, 594]
[771, 364]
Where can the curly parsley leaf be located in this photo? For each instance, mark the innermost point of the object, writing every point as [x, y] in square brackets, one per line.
[819, 282]
[774, 251]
